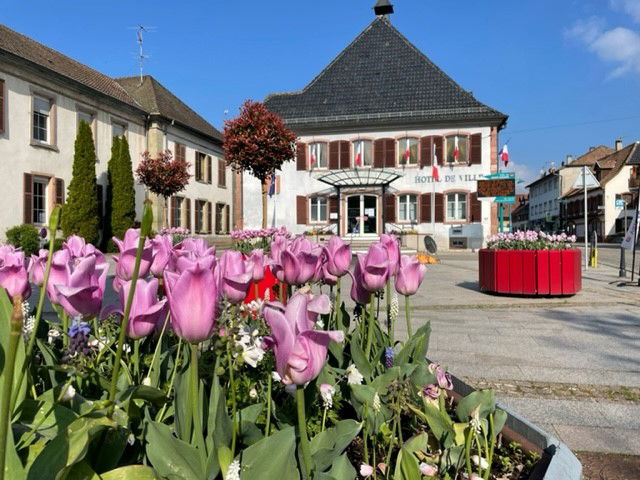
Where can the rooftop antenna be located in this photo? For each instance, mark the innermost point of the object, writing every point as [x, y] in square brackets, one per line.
[140, 29]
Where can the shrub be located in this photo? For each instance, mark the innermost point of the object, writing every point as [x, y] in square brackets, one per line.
[57, 244]
[25, 237]
[123, 197]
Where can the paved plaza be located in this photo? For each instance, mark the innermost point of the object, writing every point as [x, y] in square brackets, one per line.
[570, 365]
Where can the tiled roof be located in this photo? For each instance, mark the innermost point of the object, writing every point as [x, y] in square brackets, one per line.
[380, 78]
[592, 156]
[17, 44]
[157, 100]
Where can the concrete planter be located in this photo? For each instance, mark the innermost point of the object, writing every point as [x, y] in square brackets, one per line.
[557, 461]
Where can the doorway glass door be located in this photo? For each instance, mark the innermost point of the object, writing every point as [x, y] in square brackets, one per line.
[362, 215]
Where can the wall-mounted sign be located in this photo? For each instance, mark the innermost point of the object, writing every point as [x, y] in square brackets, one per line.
[619, 203]
[497, 187]
[444, 178]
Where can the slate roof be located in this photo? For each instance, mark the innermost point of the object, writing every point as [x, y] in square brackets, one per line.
[380, 78]
[36, 53]
[155, 99]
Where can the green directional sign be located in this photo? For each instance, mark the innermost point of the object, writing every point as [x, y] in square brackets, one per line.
[505, 200]
[500, 175]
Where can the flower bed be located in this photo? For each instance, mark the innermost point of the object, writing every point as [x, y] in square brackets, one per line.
[195, 384]
[530, 263]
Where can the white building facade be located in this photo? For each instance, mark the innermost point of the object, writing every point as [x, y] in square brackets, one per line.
[371, 142]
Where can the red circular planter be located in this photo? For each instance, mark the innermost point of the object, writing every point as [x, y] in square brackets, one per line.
[531, 272]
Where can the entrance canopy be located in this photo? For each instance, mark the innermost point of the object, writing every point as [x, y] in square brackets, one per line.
[359, 177]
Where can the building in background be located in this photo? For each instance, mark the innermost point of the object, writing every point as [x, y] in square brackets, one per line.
[43, 97]
[520, 213]
[387, 143]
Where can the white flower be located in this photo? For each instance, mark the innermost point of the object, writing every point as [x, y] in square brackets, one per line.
[354, 377]
[52, 335]
[253, 355]
[320, 325]
[327, 392]
[276, 377]
[428, 470]
[479, 461]
[27, 327]
[376, 403]
[253, 393]
[25, 309]
[233, 472]
[100, 344]
[366, 470]
[251, 344]
[126, 348]
[394, 307]
[146, 381]
[69, 394]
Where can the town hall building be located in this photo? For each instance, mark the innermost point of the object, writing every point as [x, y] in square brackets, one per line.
[387, 142]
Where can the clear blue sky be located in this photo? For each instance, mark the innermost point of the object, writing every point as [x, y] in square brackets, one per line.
[574, 64]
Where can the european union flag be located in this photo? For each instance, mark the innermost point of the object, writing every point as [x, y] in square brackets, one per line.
[272, 184]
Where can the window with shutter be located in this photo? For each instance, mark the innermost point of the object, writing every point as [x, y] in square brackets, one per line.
[301, 210]
[227, 219]
[27, 196]
[222, 173]
[301, 156]
[198, 217]
[334, 155]
[59, 191]
[188, 212]
[390, 208]
[345, 154]
[439, 208]
[390, 153]
[180, 152]
[209, 172]
[426, 151]
[209, 218]
[438, 148]
[425, 208]
[378, 153]
[475, 154]
[476, 208]
[333, 208]
[2, 102]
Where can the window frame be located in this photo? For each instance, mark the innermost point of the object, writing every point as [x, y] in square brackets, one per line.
[222, 172]
[450, 137]
[49, 120]
[4, 118]
[455, 218]
[325, 156]
[44, 181]
[178, 210]
[364, 150]
[402, 148]
[318, 200]
[122, 124]
[406, 207]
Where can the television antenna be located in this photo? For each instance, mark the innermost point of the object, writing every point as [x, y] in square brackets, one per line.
[140, 30]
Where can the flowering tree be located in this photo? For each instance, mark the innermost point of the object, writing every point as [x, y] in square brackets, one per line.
[163, 175]
[257, 141]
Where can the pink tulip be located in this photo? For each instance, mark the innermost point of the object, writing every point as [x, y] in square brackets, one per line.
[366, 470]
[161, 246]
[359, 294]
[146, 311]
[37, 265]
[327, 277]
[76, 247]
[234, 280]
[193, 299]
[255, 264]
[338, 256]
[375, 268]
[84, 288]
[428, 470]
[194, 247]
[300, 351]
[391, 244]
[13, 272]
[409, 276]
[278, 245]
[126, 260]
[57, 275]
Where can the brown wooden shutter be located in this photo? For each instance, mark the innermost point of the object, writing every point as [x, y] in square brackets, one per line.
[438, 142]
[210, 217]
[198, 170]
[476, 208]
[301, 210]
[333, 208]
[426, 151]
[198, 227]
[334, 155]
[389, 208]
[187, 202]
[425, 208]
[378, 153]
[390, 153]
[209, 169]
[345, 154]
[1, 105]
[227, 219]
[28, 195]
[439, 207]
[301, 156]
[475, 150]
[171, 206]
[222, 172]
[59, 191]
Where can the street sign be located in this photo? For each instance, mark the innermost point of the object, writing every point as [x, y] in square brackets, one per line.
[619, 203]
[497, 187]
[500, 175]
[505, 199]
[586, 177]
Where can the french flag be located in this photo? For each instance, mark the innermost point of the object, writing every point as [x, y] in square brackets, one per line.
[312, 160]
[407, 153]
[504, 155]
[359, 155]
[456, 149]
[435, 173]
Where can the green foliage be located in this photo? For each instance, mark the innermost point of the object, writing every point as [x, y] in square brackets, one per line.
[57, 244]
[121, 197]
[80, 213]
[25, 237]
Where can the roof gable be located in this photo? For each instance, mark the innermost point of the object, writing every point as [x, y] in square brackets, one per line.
[380, 75]
[158, 100]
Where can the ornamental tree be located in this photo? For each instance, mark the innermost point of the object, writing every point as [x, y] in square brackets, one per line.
[163, 175]
[81, 212]
[122, 198]
[258, 142]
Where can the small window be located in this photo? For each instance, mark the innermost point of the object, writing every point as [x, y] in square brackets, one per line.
[362, 153]
[222, 173]
[176, 211]
[408, 151]
[318, 155]
[408, 208]
[118, 129]
[201, 206]
[41, 119]
[85, 117]
[202, 168]
[39, 200]
[456, 207]
[459, 143]
[180, 152]
[318, 209]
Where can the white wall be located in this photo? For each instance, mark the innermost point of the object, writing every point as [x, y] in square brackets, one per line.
[282, 207]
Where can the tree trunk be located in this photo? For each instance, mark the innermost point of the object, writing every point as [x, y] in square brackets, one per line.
[264, 204]
[165, 213]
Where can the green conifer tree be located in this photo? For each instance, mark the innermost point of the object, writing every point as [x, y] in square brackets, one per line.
[123, 203]
[108, 230]
[80, 215]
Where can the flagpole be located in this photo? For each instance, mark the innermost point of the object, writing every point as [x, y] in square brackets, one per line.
[433, 192]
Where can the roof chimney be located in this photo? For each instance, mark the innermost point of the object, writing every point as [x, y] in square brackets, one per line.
[569, 159]
[618, 144]
[383, 7]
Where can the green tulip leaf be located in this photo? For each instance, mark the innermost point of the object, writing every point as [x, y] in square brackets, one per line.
[171, 457]
[328, 445]
[485, 399]
[272, 458]
[341, 469]
[131, 472]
